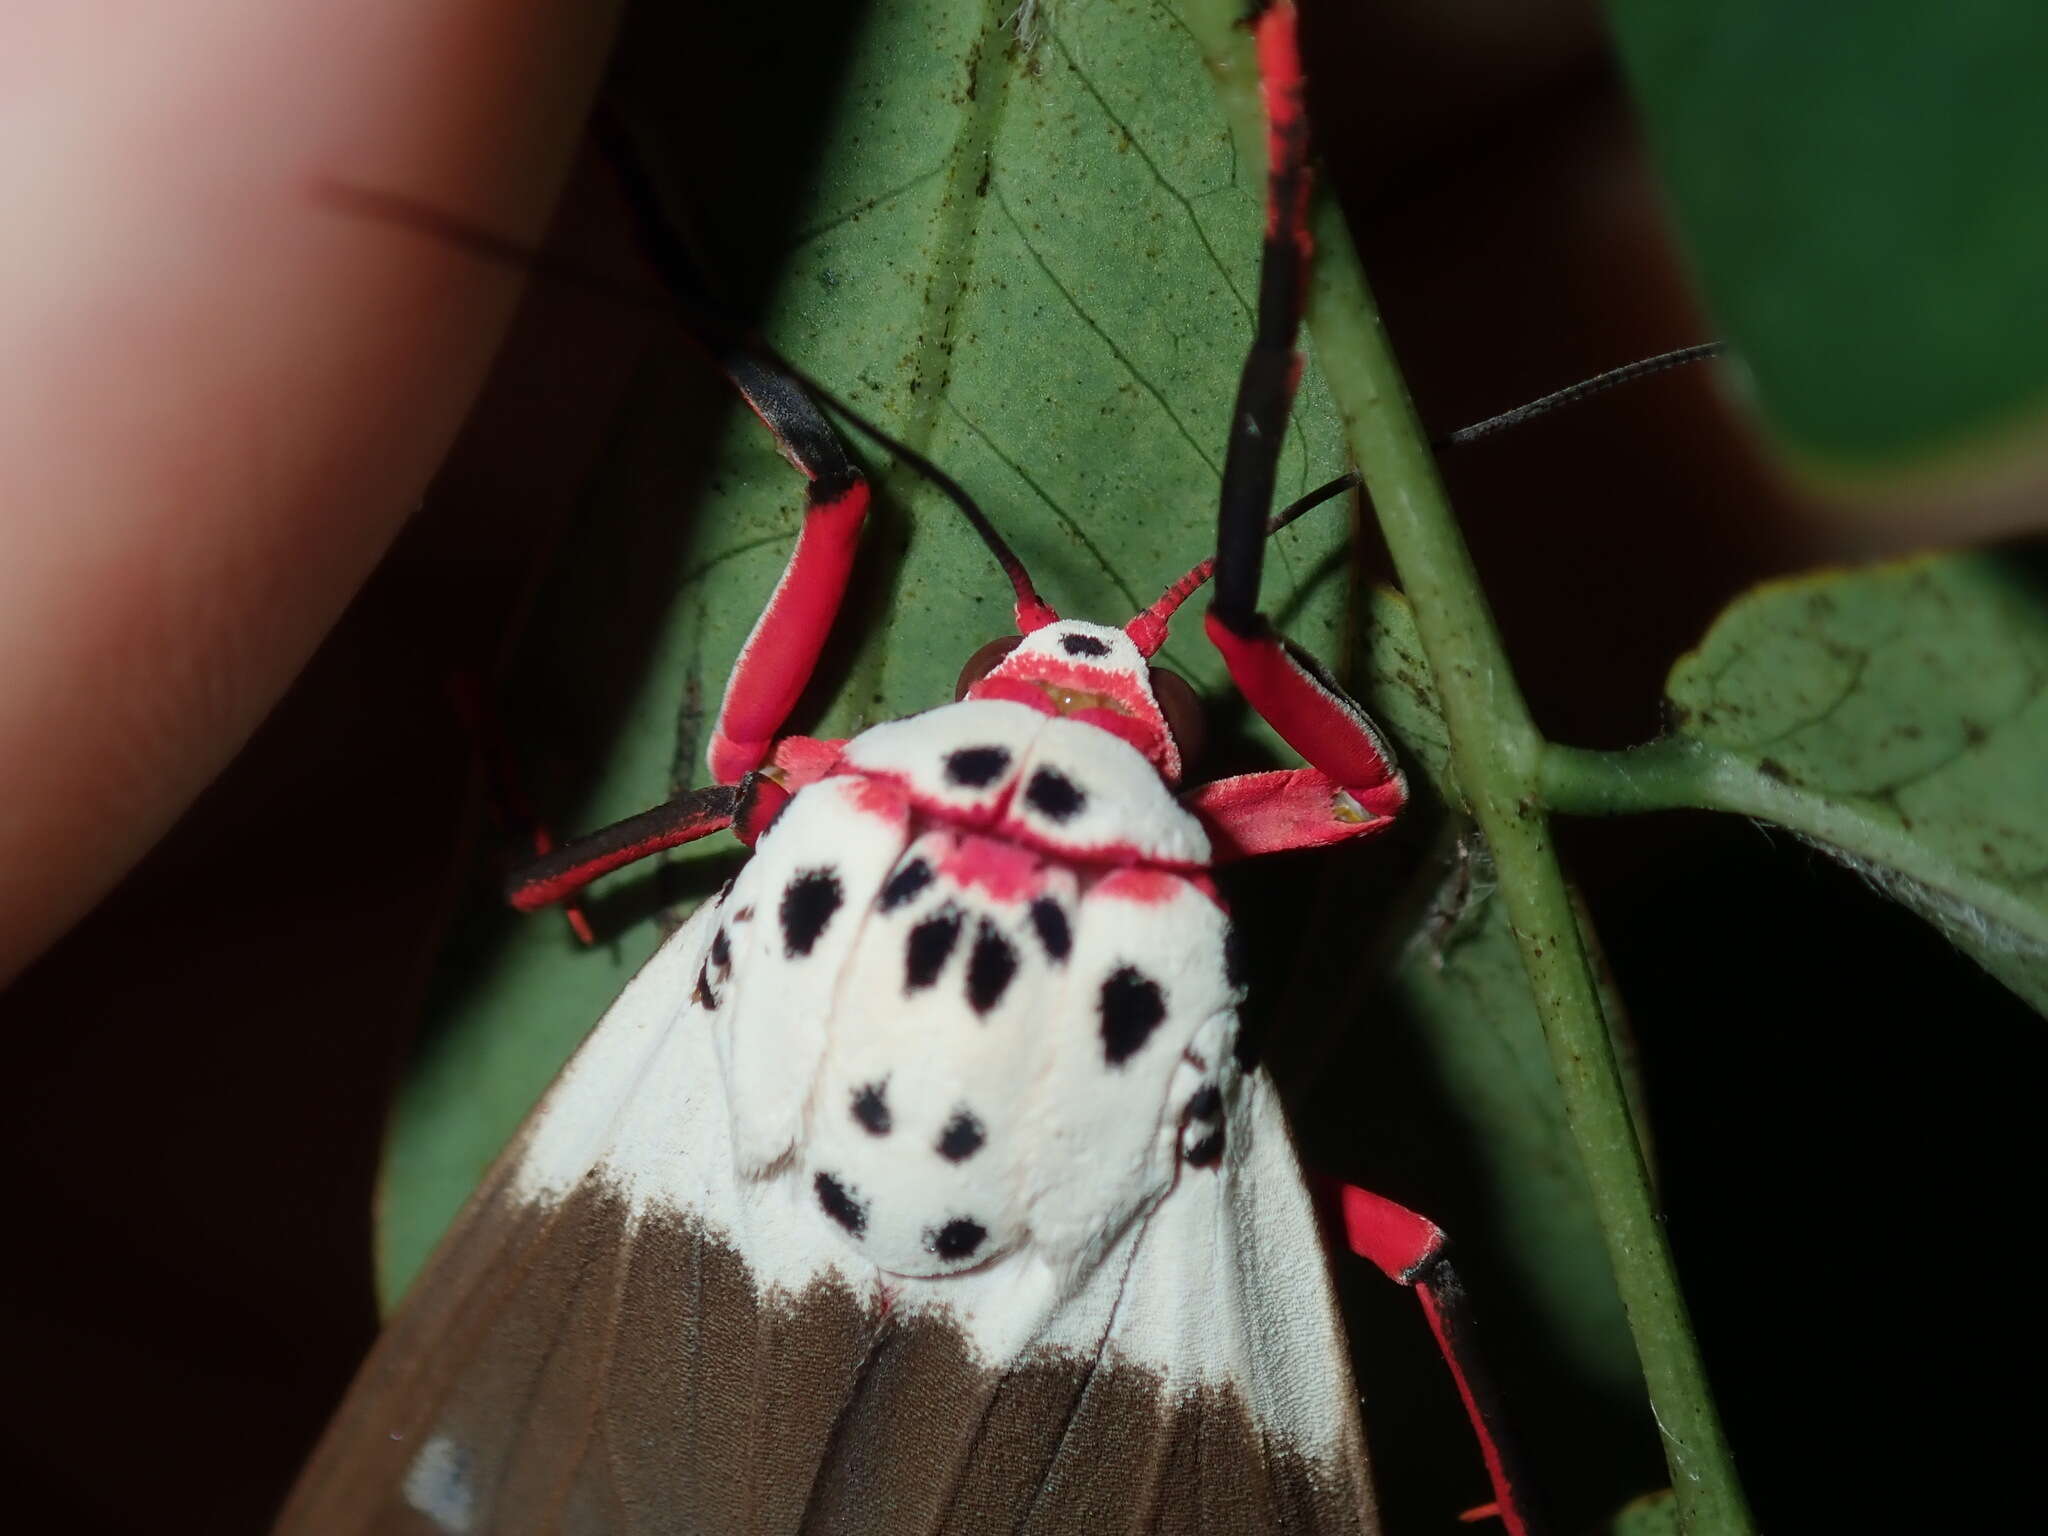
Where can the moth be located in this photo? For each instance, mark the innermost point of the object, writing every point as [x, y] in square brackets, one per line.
[922, 1181]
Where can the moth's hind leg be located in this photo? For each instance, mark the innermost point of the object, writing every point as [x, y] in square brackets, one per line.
[1410, 1250]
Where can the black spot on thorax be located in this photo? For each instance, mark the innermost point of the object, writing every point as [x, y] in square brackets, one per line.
[1083, 645]
[1237, 970]
[990, 968]
[808, 902]
[931, 941]
[840, 1204]
[962, 1137]
[871, 1108]
[1132, 1006]
[1207, 1152]
[957, 1239]
[977, 767]
[1053, 795]
[904, 885]
[1050, 922]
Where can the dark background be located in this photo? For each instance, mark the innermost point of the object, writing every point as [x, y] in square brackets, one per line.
[1841, 1105]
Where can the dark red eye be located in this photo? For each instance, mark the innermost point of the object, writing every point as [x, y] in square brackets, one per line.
[1182, 707]
[983, 662]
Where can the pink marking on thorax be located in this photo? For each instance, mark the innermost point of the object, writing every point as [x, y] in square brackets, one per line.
[1003, 870]
[880, 797]
[1147, 887]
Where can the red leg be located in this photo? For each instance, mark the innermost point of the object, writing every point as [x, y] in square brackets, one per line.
[1409, 1250]
[778, 657]
[1351, 785]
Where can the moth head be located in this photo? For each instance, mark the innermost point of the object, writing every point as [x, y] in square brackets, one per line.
[1096, 674]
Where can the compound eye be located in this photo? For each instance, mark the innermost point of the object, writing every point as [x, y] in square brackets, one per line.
[983, 662]
[1182, 707]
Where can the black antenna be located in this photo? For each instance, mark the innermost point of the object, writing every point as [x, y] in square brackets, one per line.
[747, 359]
[1572, 394]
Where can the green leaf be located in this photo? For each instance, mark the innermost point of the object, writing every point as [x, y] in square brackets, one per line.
[1896, 717]
[1036, 271]
[1860, 189]
[1899, 718]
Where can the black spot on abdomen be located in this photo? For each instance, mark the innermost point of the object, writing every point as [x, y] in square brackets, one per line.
[957, 1239]
[840, 1204]
[1053, 795]
[962, 1138]
[808, 903]
[977, 767]
[1132, 1005]
[990, 967]
[1051, 925]
[931, 941]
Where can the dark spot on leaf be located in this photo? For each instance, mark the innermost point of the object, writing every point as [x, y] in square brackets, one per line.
[977, 767]
[808, 903]
[1132, 1006]
[962, 1137]
[1053, 795]
[840, 1204]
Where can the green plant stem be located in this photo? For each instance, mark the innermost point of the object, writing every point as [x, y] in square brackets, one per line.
[1497, 755]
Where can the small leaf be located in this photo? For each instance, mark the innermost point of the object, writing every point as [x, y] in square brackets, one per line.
[1654, 1514]
[1860, 189]
[1036, 270]
[1898, 717]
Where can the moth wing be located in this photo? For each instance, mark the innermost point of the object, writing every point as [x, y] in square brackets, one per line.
[1196, 1383]
[584, 1355]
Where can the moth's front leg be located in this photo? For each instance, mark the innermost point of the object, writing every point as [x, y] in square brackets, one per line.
[1352, 785]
